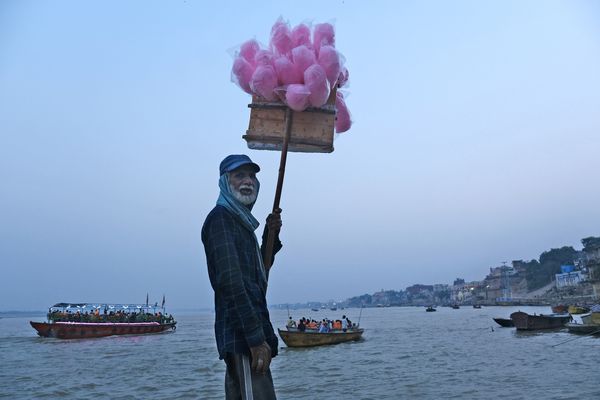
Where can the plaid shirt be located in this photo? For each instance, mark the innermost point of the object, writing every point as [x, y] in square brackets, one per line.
[241, 314]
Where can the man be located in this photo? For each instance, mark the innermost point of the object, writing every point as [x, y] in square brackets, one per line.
[244, 334]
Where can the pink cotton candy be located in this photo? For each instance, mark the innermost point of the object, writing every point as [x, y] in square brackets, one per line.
[242, 73]
[249, 49]
[281, 38]
[303, 57]
[301, 36]
[264, 57]
[315, 80]
[286, 71]
[264, 81]
[343, 78]
[329, 59]
[323, 35]
[342, 115]
[296, 97]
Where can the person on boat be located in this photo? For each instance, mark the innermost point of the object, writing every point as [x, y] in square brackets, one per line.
[291, 323]
[243, 331]
[324, 328]
[301, 325]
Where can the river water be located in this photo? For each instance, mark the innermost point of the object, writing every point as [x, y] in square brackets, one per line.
[406, 353]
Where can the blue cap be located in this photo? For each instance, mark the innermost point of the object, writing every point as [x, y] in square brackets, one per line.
[235, 161]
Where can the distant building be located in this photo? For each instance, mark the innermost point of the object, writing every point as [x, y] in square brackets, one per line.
[568, 279]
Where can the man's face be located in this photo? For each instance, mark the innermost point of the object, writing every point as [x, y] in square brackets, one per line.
[243, 184]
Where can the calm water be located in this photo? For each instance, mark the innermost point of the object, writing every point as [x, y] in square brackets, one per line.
[406, 353]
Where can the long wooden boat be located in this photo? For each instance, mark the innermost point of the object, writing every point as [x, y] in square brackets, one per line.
[528, 322]
[294, 338]
[83, 330]
[84, 320]
[586, 329]
[504, 322]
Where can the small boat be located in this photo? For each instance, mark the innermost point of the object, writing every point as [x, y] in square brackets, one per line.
[476, 305]
[84, 320]
[455, 306]
[586, 329]
[560, 309]
[573, 309]
[314, 309]
[295, 338]
[333, 308]
[592, 318]
[430, 309]
[528, 322]
[504, 322]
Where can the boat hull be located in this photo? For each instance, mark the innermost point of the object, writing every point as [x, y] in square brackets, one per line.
[527, 322]
[84, 330]
[585, 329]
[504, 322]
[310, 339]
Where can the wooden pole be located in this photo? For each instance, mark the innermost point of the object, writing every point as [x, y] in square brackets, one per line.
[268, 261]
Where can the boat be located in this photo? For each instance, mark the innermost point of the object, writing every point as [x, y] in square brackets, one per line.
[528, 322]
[430, 309]
[586, 329]
[504, 322]
[455, 306]
[560, 309]
[314, 309]
[94, 320]
[476, 305]
[295, 338]
[591, 318]
[574, 309]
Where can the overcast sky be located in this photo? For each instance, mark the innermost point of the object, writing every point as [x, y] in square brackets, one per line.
[476, 141]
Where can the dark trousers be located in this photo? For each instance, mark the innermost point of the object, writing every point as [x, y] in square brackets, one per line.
[243, 384]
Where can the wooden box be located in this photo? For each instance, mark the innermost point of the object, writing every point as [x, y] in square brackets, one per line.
[311, 131]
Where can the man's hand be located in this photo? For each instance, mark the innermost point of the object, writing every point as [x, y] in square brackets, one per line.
[274, 221]
[261, 358]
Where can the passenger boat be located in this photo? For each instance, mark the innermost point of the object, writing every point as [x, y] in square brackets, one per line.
[295, 338]
[86, 320]
[528, 322]
[430, 309]
[504, 322]
[560, 309]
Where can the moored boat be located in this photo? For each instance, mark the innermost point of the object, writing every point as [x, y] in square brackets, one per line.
[574, 309]
[295, 338]
[586, 329]
[504, 322]
[560, 308]
[84, 320]
[528, 322]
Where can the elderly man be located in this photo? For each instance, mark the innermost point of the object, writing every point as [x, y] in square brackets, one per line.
[244, 334]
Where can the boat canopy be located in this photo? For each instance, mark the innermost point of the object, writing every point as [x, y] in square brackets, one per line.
[102, 306]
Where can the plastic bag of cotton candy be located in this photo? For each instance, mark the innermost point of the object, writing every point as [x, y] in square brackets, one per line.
[299, 67]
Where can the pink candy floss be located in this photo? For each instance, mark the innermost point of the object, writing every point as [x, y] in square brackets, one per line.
[303, 57]
[323, 35]
[342, 115]
[249, 49]
[296, 97]
[329, 59]
[286, 71]
[264, 82]
[316, 82]
[281, 38]
[301, 36]
[242, 71]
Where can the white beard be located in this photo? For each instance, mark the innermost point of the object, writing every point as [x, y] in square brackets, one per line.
[242, 198]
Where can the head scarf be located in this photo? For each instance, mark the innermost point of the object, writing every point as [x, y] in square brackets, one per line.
[242, 211]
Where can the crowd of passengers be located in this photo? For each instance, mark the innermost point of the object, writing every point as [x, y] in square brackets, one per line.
[106, 316]
[322, 326]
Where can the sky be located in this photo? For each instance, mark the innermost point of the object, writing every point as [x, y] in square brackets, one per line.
[475, 141]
